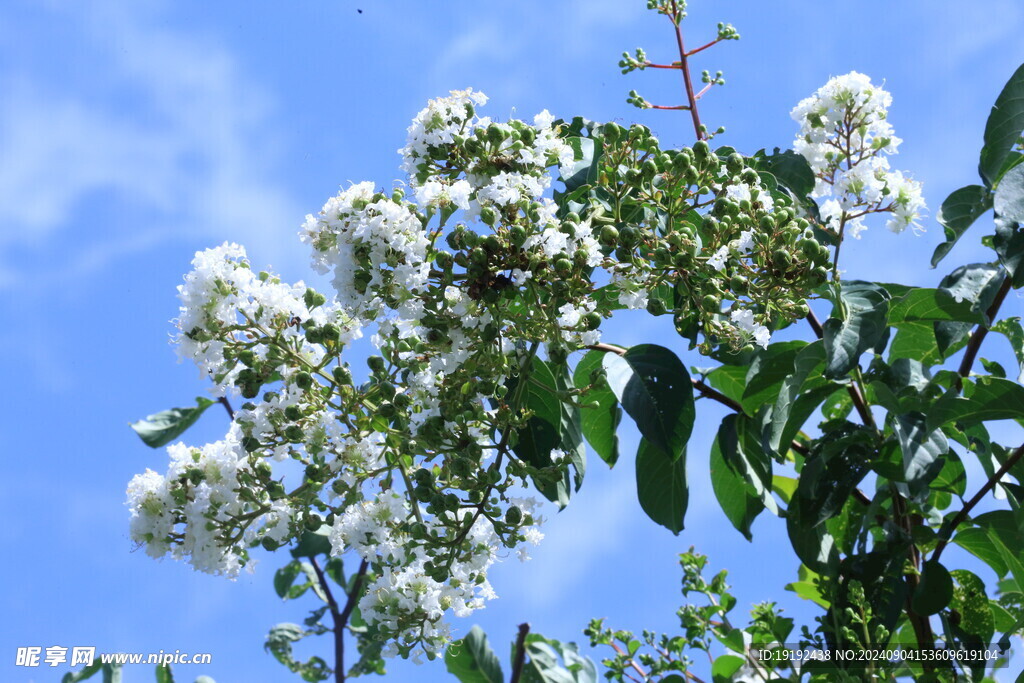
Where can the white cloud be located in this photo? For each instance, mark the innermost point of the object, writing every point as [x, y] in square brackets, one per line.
[163, 121]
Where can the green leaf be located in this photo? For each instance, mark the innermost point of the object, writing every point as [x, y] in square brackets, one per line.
[986, 398]
[934, 591]
[313, 543]
[1014, 333]
[1009, 209]
[807, 588]
[724, 667]
[740, 505]
[926, 304]
[767, 371]
[164, 674]
[922, 450]
[977, 284]
[585, 166]
[163, 427]
[957, 213]
[977, 542]
[553, 425]
[834, 467]
[789, 168]
[543, 666]
[1003, 129]
[661, 486]
[285, 577]
[805, 363]
[858, 323]
[471, 659]
[730, 380]
[655, 390]
[83, 674]
[971, 601]
[600, 412]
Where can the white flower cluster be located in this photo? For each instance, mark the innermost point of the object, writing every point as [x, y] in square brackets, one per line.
[222, 297]
[199, 490]
[845, 137]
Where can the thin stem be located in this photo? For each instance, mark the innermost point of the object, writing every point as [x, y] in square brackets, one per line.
[702, 47]
[520, 654]
[978, 336]
[975, 499]
[685, 68]
[632, 662]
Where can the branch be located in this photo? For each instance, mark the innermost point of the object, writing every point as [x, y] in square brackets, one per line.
[520, 654]
[980, 332]
[340, 618]
[223, 400]
[975, 499]
[632, 662]
[685, 68]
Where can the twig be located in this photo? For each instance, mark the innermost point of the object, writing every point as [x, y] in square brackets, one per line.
[975, 499]
[632, 662]
[853, 389]
[520, 655]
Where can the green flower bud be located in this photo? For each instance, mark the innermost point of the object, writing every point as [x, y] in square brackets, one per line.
[592, 320]
[563, 266]
[293, 413]
[341, 375]
[711, 303]
[513, 515]
[376, 363]
[734, 163]
[303, 380]
[314, 522]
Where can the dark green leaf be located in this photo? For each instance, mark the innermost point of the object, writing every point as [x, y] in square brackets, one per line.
[163, 427]
[285, 577]
[922, 450]
[654, 388]
[986, 398]
[971, 601]
[1003, 129]
[977, 284]
[789, 168]
[858, 324]
[661, 486]
[585, 166]
[934, 591]
[835, 466]
[313, 543]
[925, 304]
[977, 542]
[724, 667]
[767, 371]
[1014, 333]
[740, 505]
[600, 411]
[471, 659]
[957, 213]
[806, 362]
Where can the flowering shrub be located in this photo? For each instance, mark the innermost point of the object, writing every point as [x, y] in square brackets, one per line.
[484, 283]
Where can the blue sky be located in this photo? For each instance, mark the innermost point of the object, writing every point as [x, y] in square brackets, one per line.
[134, 134]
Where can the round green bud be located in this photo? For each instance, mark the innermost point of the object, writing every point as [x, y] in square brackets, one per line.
[294, 433]
[592, 320]
[611, 132]
[375, 363]
[342, 375]
[711, 303]
[563, 266]
[656, 306]
[629, 236]
[293, 412]
[780, 259]
[734, 163]
[513, 515]
[269, 544]
[386, 409]
[314, 522]
[304, 380]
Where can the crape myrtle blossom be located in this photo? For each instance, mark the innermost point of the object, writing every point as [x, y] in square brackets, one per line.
[845, 137]
[474, 290]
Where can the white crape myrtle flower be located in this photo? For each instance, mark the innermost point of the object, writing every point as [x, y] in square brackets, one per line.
[719, 258]
[438, 124]
[199, 492]
[744, 321]
[845, 137]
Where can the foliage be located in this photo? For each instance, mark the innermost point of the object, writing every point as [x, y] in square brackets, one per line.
[491, 376]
